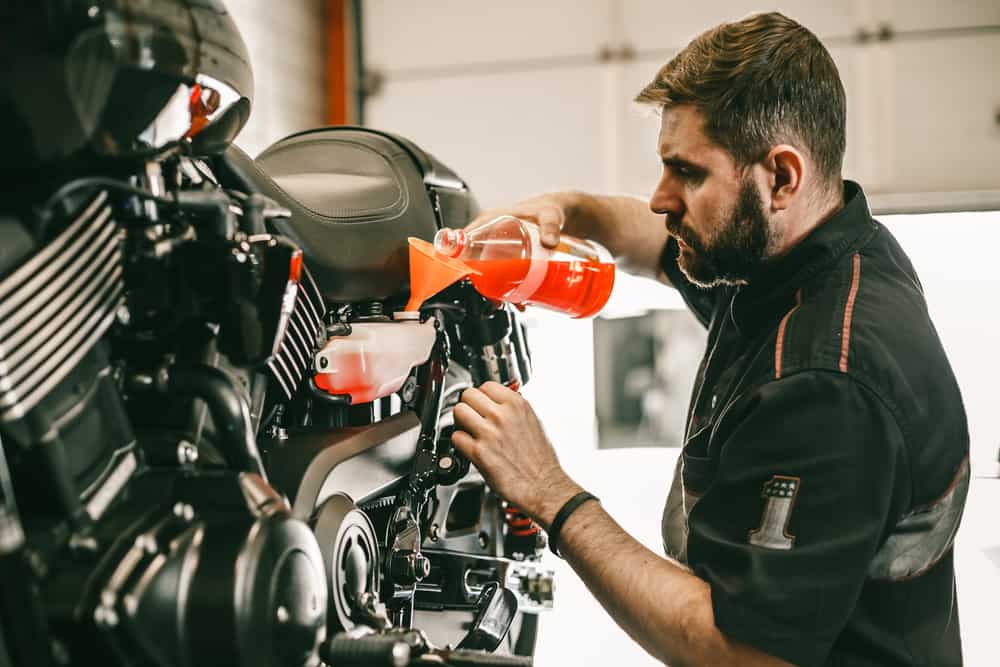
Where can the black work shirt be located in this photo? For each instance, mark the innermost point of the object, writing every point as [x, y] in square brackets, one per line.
[825, 464]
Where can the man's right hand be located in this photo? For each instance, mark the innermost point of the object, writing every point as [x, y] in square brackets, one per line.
[624, 225]
[552, 212]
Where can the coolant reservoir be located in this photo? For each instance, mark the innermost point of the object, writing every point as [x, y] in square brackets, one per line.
[374, 360]
[512, 265]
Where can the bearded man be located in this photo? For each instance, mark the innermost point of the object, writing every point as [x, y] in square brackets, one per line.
[825, 464]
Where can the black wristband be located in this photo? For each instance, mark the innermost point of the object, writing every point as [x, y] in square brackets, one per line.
[557, 523]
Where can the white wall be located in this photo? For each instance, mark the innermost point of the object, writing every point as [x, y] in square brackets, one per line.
[285, 40]
[540, 92]
[955, 256]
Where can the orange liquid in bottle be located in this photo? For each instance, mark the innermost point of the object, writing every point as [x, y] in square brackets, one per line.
[578, 288]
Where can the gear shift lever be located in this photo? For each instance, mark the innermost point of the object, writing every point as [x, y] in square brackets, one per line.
[497, 607]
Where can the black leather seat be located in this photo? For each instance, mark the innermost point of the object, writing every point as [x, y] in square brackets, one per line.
[355, 195]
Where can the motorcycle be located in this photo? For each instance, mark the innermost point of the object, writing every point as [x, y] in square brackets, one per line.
[184, 479]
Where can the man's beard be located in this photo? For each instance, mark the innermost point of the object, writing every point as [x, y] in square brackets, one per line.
[737, 250]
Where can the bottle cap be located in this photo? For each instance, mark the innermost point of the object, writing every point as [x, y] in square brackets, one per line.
[450, 242]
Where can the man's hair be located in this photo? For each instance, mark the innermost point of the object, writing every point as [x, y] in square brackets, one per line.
[759, 82]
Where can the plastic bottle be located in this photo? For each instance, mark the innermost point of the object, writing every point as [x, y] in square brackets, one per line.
[575, 277]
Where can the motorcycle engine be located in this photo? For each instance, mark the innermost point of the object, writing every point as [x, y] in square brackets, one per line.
[122, 548]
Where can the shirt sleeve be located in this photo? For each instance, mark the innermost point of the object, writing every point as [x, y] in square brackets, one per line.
[700, 300]
[797, 507]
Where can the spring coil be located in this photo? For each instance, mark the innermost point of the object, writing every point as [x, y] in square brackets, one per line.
[518, 523]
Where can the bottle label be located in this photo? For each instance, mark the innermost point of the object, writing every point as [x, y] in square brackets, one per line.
[536, 271]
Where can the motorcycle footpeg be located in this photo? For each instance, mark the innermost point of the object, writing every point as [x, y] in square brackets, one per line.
[372, 650]
[497, 606]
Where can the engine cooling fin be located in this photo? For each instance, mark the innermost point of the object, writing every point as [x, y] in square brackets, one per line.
[294, 357]
[56, 306]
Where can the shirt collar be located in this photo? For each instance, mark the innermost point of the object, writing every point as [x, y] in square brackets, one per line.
[770, 291]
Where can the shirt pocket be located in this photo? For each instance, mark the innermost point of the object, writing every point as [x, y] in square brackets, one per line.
[699, 469]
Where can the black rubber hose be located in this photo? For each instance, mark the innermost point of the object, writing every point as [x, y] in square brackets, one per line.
[229, 411]
[324, 396]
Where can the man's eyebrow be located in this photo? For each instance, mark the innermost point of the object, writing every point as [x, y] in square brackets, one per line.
[678, 161]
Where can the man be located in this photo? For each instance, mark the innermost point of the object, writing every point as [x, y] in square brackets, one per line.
[825, 463]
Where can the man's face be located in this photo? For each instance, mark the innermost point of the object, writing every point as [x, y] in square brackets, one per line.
[715, 213]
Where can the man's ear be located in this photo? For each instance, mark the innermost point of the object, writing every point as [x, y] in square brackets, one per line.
[786, 166]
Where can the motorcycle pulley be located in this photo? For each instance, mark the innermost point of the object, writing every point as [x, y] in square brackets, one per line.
[350, 553]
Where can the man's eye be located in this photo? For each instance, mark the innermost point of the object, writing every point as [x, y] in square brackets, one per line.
[685, 172]
[692, 176]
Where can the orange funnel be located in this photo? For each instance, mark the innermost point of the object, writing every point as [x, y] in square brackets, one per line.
[431, 272]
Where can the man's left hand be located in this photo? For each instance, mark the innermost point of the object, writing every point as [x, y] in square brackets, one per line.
[502, 436]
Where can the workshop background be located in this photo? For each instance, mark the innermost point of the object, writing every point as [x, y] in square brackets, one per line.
[525, 96]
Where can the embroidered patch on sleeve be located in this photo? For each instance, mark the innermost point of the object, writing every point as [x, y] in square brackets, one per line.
[779, 494]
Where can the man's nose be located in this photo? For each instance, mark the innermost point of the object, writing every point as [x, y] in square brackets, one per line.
[665, 199]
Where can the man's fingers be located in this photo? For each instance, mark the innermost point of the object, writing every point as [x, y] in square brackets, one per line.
[550, 220]
[480, 401]
[496, 392]
[470, 420]
[466, 444]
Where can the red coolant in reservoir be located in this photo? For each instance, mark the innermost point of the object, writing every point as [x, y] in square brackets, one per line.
[374, 360]
[575, 277]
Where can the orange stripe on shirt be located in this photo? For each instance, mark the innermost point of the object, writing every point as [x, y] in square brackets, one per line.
[781, 334]
[845, 337]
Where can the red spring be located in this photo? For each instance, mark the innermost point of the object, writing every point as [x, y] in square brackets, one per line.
[519, 523]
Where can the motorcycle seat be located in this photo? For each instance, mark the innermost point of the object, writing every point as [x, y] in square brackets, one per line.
[355, 195]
